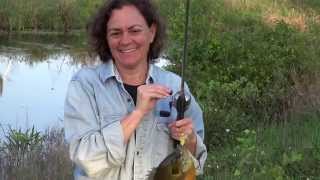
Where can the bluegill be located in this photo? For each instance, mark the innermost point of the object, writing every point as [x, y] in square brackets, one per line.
[177, 166]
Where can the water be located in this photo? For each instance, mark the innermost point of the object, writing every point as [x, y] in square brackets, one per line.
[35, 71]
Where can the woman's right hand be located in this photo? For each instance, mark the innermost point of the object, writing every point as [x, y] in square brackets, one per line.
[147, 96]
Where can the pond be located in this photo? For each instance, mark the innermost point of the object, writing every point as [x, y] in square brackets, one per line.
[35, 71]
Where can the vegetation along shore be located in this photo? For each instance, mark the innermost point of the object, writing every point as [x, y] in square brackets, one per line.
[254, 67]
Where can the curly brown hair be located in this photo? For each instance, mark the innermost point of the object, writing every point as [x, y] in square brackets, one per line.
[98, 25]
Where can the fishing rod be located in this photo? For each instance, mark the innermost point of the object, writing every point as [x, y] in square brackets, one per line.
[179, 164]
[181, 100]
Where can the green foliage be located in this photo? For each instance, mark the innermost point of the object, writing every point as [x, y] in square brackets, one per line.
[18, 144]
[261, 155]
[30, 154]
[22, 140]
[253, 160]
[47, 15]
[242, 70]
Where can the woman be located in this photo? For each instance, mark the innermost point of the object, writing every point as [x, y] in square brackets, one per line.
[118, 117]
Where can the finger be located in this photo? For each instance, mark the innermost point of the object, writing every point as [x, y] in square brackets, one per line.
[150, 92]
[175, 136]
[179, 129]
[155, 95]
[184, 122]
[160, 87]
[171, 125]
[174, 131]
[158, 91]
[155, 86]
[185, 130]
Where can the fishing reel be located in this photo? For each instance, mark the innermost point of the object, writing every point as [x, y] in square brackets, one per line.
[181, 102]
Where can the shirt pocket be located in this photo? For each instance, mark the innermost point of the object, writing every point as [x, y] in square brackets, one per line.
[164, 111]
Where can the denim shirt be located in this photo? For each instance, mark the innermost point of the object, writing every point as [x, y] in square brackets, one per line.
[96, 103]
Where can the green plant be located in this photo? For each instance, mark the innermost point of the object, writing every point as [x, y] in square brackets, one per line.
[18, 143]
[289, 151]
[30, 154]
[243, 70]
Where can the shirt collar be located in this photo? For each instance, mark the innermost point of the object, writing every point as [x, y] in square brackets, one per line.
[108, 70]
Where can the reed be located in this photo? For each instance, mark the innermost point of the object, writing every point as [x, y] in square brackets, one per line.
[33, 155]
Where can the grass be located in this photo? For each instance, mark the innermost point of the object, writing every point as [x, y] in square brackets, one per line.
[299, 14]
[287, 151]
[29, 155]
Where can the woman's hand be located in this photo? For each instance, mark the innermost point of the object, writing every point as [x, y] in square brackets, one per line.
[184, 129]
[147, 96]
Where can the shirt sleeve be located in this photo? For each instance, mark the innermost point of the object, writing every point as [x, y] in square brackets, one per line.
[95, 148]
[195, 113]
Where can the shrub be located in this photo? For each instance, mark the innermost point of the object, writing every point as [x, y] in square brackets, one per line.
[243, 71]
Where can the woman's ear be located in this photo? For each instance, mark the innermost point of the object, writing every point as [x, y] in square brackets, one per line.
[153, 31]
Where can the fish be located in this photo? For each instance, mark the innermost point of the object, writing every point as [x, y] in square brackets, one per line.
[179, 165]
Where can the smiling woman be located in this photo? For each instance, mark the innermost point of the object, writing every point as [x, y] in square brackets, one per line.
[112, 112]
[98, 27]
[129, 38]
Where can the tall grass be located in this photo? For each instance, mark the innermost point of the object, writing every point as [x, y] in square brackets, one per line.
[30, 155]
[45, 15]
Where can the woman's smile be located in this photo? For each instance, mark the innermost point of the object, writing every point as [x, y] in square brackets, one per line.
[127, 50]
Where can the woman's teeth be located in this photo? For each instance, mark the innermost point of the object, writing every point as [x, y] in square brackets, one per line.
[127, 50]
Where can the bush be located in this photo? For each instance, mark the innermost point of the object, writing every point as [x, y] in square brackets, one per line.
[243, 70]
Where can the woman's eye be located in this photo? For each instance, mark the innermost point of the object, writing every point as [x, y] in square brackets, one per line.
[135, 31]
[114, 34]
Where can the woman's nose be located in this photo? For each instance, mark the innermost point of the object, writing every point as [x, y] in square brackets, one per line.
[125, 39]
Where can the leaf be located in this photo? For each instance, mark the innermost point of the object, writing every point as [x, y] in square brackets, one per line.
[237, 172]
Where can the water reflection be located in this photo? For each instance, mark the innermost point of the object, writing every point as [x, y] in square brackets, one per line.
[34, 94]
[34, 77]
[5, 75]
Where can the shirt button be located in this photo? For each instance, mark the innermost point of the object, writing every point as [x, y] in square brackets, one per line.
[128, 100]
[138, 153]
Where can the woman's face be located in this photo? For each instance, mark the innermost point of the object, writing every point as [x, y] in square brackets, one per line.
[129, 36]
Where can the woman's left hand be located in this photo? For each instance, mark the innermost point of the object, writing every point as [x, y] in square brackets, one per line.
[184, 129]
